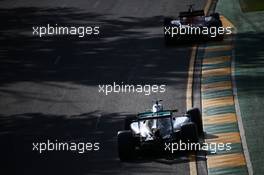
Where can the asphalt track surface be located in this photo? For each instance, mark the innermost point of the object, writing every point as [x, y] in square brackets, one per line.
[49, 86]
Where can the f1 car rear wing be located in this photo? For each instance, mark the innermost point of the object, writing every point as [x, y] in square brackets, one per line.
[191, 14]
[156, 115]
[153, 117]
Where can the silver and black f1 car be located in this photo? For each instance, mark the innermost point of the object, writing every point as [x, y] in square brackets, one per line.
[151, 130]
[193, 26]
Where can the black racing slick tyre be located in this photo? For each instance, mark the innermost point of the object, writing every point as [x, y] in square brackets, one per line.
[128, 121]
[167, 37]
[189, 132]
[126, 145]
[216, 22]
[215, 15]
[168, 41]
[196, 118]
[167, 21]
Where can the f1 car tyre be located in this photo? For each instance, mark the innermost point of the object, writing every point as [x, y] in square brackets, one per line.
[128, 121]
[216, 22]
[193, 13]
[168, 39]
[167, 21]
[126, 145]
[215, 16]
[189, 132]
[196, 118]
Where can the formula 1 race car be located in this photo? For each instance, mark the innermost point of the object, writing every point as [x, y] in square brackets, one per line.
[151, 130]
[192, 26]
